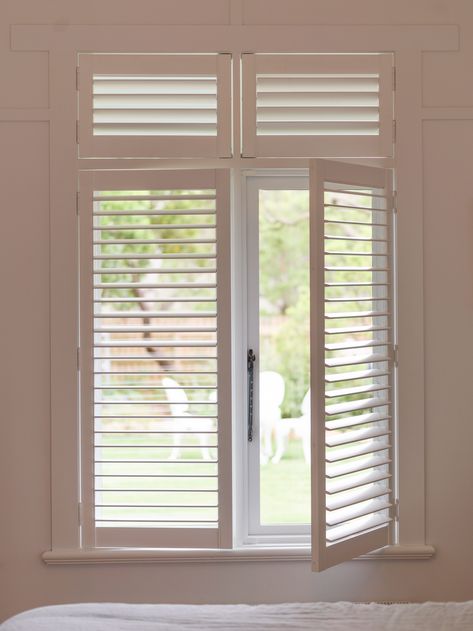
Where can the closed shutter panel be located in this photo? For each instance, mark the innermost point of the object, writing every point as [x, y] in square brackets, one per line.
[155, 105]
[351, 359]
[155, 358]
[317, 105]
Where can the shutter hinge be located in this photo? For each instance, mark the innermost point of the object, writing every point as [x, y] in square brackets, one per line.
[80, 513]
[395, 354]
[78, 358]
[394, 78]
[394, 130]
[395, 510]
[77, 78]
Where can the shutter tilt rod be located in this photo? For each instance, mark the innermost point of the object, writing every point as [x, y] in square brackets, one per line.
[251, 358]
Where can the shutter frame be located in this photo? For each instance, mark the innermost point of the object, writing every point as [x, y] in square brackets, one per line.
[324, 553]
[312, 144]
[171, 145]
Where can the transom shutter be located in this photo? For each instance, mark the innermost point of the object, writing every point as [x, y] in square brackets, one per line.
[317, 105]
[352, 346]
[155, 358]
[154, 106]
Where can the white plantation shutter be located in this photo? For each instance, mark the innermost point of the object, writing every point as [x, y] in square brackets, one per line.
[154, 105]
[317, 105]
[155, 358]
[351, 359]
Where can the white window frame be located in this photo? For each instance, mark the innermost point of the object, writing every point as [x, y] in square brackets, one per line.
[251, 531]
[407, 44]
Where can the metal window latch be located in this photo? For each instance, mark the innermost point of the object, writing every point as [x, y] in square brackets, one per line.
[250, 358]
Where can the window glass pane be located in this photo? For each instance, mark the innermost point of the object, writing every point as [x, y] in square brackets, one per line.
[284, 356]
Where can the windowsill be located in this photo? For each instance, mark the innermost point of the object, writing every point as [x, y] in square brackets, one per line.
[82, 556]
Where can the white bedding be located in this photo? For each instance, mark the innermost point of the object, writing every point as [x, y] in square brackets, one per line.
[341, 616]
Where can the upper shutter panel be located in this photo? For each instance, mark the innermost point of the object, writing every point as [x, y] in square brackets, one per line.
[155, 106]
[317, 105]
[351, 359]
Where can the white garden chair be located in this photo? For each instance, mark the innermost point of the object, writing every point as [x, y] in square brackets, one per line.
[179, 405]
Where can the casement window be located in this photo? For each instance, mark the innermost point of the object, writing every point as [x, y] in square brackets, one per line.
[154, 105]
[237, 332]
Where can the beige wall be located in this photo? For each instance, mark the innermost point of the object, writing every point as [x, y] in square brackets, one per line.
[448, 229]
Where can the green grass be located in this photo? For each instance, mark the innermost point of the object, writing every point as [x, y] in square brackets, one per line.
[285, 489]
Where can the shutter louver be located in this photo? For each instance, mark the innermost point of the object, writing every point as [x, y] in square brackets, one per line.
[155, 357]
[155, 105]
[352, 359]
[317, 105]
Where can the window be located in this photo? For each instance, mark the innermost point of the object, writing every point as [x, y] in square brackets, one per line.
[161, 239]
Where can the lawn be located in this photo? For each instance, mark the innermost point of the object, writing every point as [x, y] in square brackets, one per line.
[285, 487]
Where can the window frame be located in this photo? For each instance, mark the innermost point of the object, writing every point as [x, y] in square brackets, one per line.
[407, 45]
[252, 531]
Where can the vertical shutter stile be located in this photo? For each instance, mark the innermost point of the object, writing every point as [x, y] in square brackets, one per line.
[155, 318]
[352, 341]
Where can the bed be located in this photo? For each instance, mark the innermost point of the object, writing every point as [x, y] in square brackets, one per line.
[316, 616]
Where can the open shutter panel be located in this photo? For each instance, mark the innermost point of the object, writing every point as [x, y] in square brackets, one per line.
[317, 105]
[155, 106]
[155, 358]
[351, 228]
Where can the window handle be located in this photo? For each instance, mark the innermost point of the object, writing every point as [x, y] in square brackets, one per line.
[251, 358]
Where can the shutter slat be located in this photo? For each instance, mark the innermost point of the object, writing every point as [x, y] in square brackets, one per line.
[360, 374]
[357, 329]
[352, 421]
[355, 314]
[138, 197]
[343, 346]
[353, 406]
[102, 271]
[344, 392]
[357, 450]
[367, 524]
[155, 329]
[156, 226]
[348, 499]
[155, 213]
[355, 436]
[338, 470]
[361, 479]
[157, 314]
[343, 515]
[152, 241]
[317, 114]
[356, 359]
